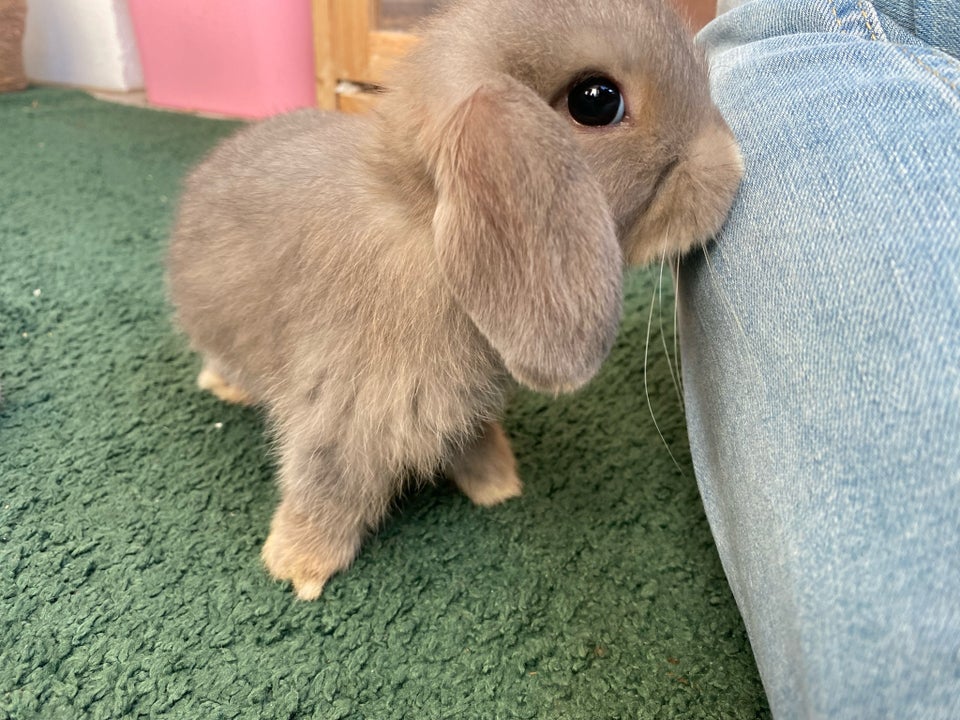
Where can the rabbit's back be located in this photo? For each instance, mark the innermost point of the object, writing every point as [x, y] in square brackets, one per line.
[250, 213]
[299, 267]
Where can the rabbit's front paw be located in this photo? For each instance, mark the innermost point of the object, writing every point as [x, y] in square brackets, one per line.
[493, 489]
[486, 471]
[299, 551]
[213, 382]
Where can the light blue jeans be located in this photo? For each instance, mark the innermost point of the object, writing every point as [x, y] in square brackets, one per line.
[821, 352]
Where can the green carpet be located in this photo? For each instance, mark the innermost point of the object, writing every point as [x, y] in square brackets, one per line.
[133, 506]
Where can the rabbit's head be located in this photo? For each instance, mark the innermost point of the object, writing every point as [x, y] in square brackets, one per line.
[556, 138]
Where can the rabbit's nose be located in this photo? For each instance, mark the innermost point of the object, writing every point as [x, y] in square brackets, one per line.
[694, 195]
[716, 169]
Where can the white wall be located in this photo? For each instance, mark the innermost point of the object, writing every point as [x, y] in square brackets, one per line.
[88, 43]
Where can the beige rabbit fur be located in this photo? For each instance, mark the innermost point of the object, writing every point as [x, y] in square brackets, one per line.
[378, 282]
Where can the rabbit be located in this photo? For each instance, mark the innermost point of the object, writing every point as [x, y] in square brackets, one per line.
[379, 283]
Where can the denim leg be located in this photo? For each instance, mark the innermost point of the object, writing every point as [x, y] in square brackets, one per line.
[821, 358]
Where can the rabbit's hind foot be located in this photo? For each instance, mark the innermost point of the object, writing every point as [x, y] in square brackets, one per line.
[305, 554]
[485, 471]
[212, 381]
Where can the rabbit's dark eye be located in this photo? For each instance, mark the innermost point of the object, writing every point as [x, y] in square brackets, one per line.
[596, 101]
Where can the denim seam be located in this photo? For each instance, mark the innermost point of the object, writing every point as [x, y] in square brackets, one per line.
[836, 16]
[866, 20]
[952, 84]
[863, 14]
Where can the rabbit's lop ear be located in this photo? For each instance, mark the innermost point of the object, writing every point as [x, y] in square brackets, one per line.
[525, 237]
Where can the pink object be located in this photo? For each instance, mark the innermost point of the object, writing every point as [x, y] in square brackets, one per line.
[248, 58]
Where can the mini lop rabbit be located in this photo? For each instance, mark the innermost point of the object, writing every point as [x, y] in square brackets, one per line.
[375, 282]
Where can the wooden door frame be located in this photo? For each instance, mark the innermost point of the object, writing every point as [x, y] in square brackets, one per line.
[349, 46]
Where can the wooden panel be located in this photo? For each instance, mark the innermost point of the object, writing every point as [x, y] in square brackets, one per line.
[357, 102]
[341, 32]
[348, 47]
[350, 25]
[385, 48]
[326, 74]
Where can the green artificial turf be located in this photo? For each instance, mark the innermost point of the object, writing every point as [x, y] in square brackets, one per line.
[133, 507]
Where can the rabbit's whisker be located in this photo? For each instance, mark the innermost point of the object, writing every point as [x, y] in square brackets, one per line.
[675, 271]
[663, 336]
[646, 386]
